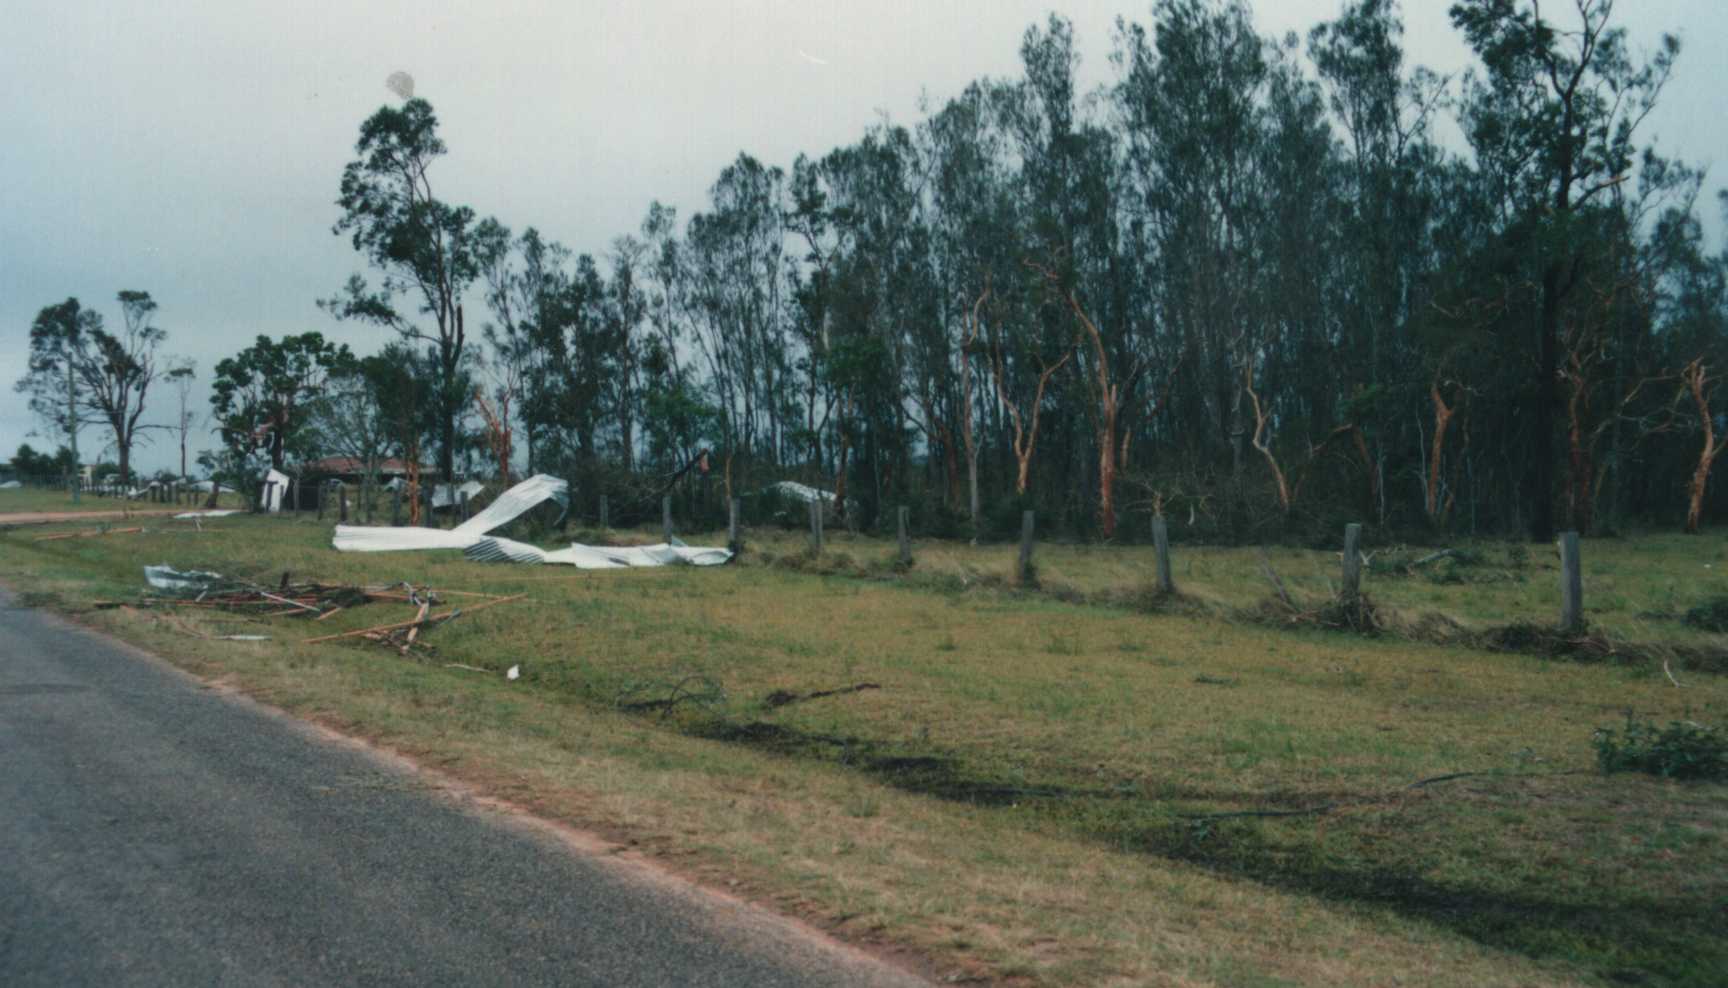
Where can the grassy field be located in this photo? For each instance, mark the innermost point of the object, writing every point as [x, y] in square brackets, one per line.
[1635, 588]
[1036, 790]
[33, 499]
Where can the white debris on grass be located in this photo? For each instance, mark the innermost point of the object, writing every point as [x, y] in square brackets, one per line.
[801, 492]
[508, 507]
[225, 512]
[496, 550]
[165, 577]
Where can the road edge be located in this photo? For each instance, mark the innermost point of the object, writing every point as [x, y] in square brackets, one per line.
[622, 860]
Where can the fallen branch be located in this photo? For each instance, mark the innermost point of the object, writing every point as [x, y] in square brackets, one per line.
[1670, 674]
[284, 600]
[423, 618]
[1433, 557]
[414, 629]
[1310, 811]
[1272, 577]
[681, 692]
[782, 698]
[1367, 801]
[380, 629]
[90, 533]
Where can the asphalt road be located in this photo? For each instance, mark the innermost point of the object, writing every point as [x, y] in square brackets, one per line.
[156, 832]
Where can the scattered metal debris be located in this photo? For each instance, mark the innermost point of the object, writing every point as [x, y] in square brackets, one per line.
[509, 506]
[795, 491]
[165, 577]
[496, 550]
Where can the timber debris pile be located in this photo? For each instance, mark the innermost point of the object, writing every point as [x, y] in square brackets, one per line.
[172, 589]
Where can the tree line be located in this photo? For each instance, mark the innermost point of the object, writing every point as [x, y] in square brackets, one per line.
[1245, 284]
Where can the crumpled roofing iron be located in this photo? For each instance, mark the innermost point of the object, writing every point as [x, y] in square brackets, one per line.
[509, 506]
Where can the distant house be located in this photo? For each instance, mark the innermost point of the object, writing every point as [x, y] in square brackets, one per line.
[350, 470]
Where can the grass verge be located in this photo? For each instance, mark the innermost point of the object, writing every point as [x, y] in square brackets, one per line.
[1034, 790]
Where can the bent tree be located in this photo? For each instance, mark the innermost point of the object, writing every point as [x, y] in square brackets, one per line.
[423, 247]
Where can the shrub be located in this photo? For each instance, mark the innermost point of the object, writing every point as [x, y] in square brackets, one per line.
[1683, 750]
[1711, 615]
[1517, 555]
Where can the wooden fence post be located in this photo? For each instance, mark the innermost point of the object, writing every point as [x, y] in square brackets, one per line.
[816, 525]
[733, 542]
[605, 516]
[1352, 587]
[429, 520]
[1571, 584]
[342, 503]
[462, 499]
[1161, 545]
[666, 518]
[1024, 570]
[900, 515]
[323, 486]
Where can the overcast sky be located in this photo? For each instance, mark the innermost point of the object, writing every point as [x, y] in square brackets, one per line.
[193, 149]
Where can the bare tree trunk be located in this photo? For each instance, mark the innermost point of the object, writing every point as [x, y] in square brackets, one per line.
[1697, 379]
[1025, 434]
[968, 427]
[1442, 417]
[1579, 497]
[1261, 418]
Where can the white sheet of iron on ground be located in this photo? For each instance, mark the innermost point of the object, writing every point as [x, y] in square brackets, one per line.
[510, 505]
[801, 492]
[223, 513]
[165, 577]
[496, 550]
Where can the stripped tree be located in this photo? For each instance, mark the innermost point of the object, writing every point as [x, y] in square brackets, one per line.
[1696, 380]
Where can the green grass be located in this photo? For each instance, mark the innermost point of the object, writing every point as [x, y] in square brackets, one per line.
[1038, 789]
[1634, 588]
[35, 499]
